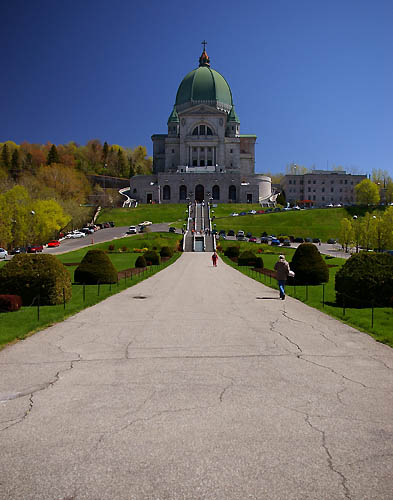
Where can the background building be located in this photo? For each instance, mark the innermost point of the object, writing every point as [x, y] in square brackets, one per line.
[203, 155]
[321, 187]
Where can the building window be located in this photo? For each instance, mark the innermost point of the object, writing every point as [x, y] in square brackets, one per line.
[332, 190]
[166, 192]
[202, 130]
[290, 181]
[173, 151]
[232, 193]
[294, 182]
[309, 190]
[182, 192]
[216, 192]
[346, 181]
[323, 190]
[231, 150]
[309, 182]
[313, 182]
[323, 198]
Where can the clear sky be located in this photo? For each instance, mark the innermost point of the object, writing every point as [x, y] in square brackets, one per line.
[312, 79]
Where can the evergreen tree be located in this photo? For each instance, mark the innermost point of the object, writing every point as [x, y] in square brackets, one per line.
[131, 166]
[15, 166]
[5, 157]
[28, 162]
[105, 150]
[53, 156]
[121, 163]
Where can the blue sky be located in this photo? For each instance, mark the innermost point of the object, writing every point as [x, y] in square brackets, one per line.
[313, 80]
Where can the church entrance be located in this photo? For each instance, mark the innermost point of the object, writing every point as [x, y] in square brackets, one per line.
[199, 193]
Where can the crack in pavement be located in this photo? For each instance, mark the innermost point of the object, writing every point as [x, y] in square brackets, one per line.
[272, 329]
[343, 479]
[319, 332]
[32, 391]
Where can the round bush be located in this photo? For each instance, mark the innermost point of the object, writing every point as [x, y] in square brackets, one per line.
[309, 266]
[96, 267]
[232, 251]
[152, 258]
[365, 279]
[31, 275]
[248, 258]
[166, 252]
[140, 261]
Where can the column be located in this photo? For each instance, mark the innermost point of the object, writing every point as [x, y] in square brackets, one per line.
[198, 151]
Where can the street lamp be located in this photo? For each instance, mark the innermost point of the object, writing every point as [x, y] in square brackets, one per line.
[105, 165]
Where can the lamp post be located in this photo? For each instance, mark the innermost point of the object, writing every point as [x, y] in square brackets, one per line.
[105, 165]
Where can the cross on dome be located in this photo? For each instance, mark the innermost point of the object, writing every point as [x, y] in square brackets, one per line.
[204, 59]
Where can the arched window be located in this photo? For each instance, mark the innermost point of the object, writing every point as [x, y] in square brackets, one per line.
[182, 192]
[216, 192]
[166, 193]
[199, 192]
[202, 130]
[232, 193]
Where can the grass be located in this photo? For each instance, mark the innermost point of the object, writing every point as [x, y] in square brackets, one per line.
[20, 324]
[154, 213]
[376, 322]
[316, 223]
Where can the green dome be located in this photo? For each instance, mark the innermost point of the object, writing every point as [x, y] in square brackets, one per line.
[204, 85]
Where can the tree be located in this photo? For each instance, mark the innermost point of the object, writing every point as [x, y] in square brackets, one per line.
[346, 233]
[15, 165]
[367, 193]
[357, 232]
[131, 172]
[5, 157]
[66, 181]
[48, 219]
[105, 151]
[53, 156]
[389, 192]
[367, 231]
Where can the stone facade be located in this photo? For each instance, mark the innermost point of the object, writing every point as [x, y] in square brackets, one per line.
[203, 155]
[321, 188]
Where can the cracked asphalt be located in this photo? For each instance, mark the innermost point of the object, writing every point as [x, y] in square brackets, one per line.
[198, 383]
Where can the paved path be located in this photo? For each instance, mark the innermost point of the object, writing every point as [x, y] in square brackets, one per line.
[197, 384]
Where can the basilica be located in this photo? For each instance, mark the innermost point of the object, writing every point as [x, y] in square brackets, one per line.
[203, 156]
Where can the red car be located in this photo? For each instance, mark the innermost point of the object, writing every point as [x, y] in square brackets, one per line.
[260, 211]
[35, 249]
[54, 243]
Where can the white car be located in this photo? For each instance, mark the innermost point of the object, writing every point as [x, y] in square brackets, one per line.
[77, 234]
[3, 253]
[252, 212]
[234, 214]
[132, 230]
[146, 223]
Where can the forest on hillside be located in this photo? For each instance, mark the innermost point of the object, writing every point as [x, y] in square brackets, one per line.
[50, 181]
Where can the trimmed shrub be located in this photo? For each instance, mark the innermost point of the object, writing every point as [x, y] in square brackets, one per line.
[124, 248]
[248, 258]
[30, 275]
[152, 258]
[10, 303]
[365, 279]
[309, 266]
[96, 267]
[232, 251]
[111, 247]
[166, 252]
[140, 261]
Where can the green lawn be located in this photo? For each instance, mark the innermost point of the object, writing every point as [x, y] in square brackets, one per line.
[19, 324]
[154, 213]
[377, 322]
[316, 223]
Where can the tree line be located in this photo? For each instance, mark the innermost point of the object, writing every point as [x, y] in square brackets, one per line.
[44, 187]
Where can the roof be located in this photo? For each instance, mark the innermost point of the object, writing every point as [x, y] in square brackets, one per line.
[203, 84]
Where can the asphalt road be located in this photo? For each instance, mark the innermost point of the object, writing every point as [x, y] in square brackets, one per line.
[198, 383]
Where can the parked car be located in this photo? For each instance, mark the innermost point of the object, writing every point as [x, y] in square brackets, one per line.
[277, 209]
[146, 223]
[308, 240]
[3, 253]
[316, 240]
[286, 243]
[111, 223]
[87, 230]
[275, 242]
[76, 234]
[331, 241]
[248, 235]
[252, 212]
[221, 232]
[240, 233]
[172, 229]
[298, 240]
[234, 214]
[260, 211]
[252, 239]
[35, 248]
[54, 243]
[17, 250]
[264, 239]
[243, 213]
[132, 230]
[231, 232]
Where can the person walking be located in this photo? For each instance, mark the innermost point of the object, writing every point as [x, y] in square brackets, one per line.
[214, 259]
[282, 269]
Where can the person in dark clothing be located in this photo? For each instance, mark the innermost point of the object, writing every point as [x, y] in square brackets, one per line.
[214, 259]
[282, 269]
